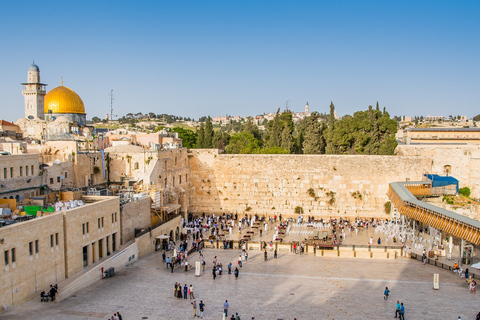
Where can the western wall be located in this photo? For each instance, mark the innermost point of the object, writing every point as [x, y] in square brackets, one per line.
[323, 185]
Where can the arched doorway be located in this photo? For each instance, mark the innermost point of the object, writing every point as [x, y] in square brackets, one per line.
[171, 236]
[177, 234]
[17, 197]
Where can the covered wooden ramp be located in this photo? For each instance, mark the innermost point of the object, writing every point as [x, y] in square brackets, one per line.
[402, 195]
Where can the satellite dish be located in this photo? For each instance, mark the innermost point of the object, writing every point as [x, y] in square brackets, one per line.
[30, 117]
[57, 161]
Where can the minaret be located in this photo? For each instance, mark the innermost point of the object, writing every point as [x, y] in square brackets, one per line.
[307, 109]
[34, 93]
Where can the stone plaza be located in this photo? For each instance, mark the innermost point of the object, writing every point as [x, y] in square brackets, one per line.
[301, 286]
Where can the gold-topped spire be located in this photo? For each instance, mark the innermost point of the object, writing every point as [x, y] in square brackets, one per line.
[61, 81]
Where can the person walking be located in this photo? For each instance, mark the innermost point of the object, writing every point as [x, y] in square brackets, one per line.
[402, 311]
[225, 308]
[194, 304]
[119, 316]
[214, 273]
[167, 261]
[229, 268]
[240, 261]
[201, 306]
[236, 273]
[185, 291]
[386, 293]
[175, 289]
[265, 255]
[171, 265]
[397, 310]
[424, 256]
[163, 256]
[190, 293]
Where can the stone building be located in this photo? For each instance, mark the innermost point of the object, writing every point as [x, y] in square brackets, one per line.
[442, 136]
[20, 176]
[49, 249]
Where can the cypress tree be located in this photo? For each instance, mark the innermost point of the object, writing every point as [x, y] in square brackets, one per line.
[208, 136]
[201, 136]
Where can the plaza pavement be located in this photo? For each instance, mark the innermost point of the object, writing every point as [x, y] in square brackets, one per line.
[304, 287]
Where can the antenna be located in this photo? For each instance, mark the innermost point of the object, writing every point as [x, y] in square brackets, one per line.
[111, 104]
[286, 105]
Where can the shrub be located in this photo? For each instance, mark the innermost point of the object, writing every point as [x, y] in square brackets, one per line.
[388, 207]
[298, 209]
[465, 191]
[311, 192]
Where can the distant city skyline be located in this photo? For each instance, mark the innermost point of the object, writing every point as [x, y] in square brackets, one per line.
[194, 59]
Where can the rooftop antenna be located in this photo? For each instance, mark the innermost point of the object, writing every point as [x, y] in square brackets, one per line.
[286, 105]
[111, 104]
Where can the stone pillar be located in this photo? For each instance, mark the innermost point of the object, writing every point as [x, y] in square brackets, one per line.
[104, 247]
[95, 251]
[89, 254]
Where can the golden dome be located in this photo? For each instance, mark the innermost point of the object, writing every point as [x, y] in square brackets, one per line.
[63, 100]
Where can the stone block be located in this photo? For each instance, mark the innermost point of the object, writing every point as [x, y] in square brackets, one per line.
[363, 254]
[380, 255]
[346, 254]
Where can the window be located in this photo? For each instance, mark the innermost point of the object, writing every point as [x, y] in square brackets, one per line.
[87, 227]
[14, 258]
[11, 172]
[51, 180]
[58, 179]
[4, 173]
[36, 246]
[102, 222]
[51, 240]
[56, 239]
[21, 171]
[31, 171]
[98, 223]
[5, 255]
[65, 175]
[30, 248]
[115, 217]
[180, 179]
[26, 170]
[83, 228]
[173, 181]
[112, 218]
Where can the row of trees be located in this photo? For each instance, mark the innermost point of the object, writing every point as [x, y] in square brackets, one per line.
[366, 132]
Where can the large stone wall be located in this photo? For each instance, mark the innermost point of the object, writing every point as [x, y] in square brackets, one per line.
[464, 161]
[273, 184]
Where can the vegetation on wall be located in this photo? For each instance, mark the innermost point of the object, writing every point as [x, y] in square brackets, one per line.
[465, 191]
[388, 207]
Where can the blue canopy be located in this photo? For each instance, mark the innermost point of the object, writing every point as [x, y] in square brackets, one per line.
[440, 181]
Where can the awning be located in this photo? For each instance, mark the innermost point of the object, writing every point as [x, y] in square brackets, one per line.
[163, 236]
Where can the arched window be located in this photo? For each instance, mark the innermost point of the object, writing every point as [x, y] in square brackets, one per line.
[135, 166]
[447, 169]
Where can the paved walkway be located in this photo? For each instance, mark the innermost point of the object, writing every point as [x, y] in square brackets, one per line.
[291, 286]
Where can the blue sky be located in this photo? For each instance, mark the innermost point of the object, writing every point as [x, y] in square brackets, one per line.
[195, 58]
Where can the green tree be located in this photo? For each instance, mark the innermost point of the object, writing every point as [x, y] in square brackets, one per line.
[208, 135]
[275, 131]
[188, 137]
[201, 136]
[287, 139]
[314, 142]
[249, 126]
[96, 119]
[476, 118]
[243, 143]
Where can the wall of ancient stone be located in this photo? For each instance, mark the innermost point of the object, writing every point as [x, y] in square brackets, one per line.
[272, 184]
[464, 161]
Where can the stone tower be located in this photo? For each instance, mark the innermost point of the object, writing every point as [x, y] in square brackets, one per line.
[307, 109]
[34, 93]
